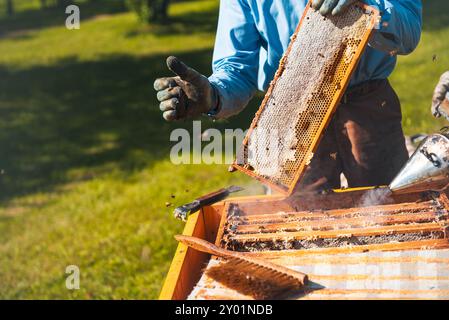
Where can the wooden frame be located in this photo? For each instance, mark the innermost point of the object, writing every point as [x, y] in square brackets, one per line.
[336, 100]
[187, 265]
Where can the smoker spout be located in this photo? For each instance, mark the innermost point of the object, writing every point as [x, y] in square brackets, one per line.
[427, 169]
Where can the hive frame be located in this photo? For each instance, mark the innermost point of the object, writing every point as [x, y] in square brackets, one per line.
[406, 218]
[361, 271]
[336, 100]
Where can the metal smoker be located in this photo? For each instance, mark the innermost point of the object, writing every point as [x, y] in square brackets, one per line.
[428, 167]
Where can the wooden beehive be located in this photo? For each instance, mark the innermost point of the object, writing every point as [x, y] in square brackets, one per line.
[398, 250]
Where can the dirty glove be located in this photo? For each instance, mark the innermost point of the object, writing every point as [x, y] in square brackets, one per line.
[188, 95]
[331, 6]
[441, 92]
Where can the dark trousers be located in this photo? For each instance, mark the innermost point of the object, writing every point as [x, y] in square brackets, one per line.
[364, 141]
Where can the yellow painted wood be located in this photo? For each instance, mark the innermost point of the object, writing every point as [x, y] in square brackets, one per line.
[173, 276]
[356, 189]
[175, 286]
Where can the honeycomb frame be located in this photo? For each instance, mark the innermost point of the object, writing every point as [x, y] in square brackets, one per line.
[321, 100]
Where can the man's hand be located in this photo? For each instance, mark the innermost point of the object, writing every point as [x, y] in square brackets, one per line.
[187, 95]
[441, 90]
[334, 7]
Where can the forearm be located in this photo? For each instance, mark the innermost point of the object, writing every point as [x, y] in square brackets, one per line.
[234, 91]
[236, 58]
[400, 27]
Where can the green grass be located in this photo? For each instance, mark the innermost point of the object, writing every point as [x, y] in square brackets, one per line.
[417, 74]
[85, 153]
[84, 168]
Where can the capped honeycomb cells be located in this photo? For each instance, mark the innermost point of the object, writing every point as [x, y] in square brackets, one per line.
[381, 224]
[311, 79]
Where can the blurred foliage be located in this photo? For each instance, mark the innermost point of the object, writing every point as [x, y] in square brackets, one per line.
[150, 10]
[9, 7]
[147, 10]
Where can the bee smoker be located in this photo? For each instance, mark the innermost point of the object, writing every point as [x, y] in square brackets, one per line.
[427, 169]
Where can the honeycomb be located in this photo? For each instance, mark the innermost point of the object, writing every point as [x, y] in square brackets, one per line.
[344, 228]
[311, 79]
[395, 249]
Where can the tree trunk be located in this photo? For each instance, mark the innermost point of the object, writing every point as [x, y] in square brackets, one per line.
[158, 10]
[164, 10]
[62, 3]
[152, 16]
[9, 7]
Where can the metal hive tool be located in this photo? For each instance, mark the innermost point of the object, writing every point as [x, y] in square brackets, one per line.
[310, 81]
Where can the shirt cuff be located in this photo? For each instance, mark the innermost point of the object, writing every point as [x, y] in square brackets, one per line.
[215, 109]
[223, 108]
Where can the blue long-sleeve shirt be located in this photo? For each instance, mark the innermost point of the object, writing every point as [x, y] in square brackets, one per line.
[252, 36]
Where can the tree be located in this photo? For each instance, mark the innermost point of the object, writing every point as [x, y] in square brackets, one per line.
[150, 10]
[63, 3]
[9, 7]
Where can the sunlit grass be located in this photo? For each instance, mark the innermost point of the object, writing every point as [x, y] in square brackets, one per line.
[417, 74]
[85, 172]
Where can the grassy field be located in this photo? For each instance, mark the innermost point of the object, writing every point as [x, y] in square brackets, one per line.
[84, 168]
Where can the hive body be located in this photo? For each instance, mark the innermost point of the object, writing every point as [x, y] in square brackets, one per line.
[349, 246]
[398, 250]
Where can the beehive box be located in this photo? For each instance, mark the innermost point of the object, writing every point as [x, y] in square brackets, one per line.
[397, 250]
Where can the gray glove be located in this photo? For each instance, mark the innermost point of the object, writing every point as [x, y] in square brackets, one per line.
[188, 95]
[440, 93]
[331, 6]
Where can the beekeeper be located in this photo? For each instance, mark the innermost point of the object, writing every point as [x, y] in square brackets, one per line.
[364, 141]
